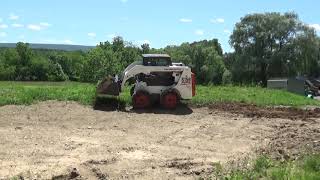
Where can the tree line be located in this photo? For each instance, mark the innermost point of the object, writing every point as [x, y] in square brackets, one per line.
[265, 46]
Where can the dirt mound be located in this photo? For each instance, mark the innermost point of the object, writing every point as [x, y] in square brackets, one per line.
[292, 139]
[295, 130]
[253, 111]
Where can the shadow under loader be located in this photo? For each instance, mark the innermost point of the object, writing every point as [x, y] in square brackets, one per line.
[110, 103]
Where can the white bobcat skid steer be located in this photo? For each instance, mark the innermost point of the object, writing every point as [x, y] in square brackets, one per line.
[157, 79]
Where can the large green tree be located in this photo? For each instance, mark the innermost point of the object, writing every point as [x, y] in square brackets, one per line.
[145, 48]
[267, 45]
[204, 57]
[108, 59]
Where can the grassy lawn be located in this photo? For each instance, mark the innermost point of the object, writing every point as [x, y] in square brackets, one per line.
[30, 92]
[254, 95]
[305, 168]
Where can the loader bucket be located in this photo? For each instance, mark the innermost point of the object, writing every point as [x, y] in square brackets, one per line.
[108, 87]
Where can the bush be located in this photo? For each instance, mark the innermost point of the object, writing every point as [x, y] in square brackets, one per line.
[56, 73]
[39, 69]
[23, 73]
[7, 72]
[226, 77]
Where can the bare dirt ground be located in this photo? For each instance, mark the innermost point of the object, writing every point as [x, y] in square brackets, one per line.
[62, 140]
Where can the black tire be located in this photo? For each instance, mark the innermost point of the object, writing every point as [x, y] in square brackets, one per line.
[170, 100]
[141, 100]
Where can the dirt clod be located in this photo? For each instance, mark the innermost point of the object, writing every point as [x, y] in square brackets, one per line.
[99, 174]
[181, 164]
[105, 161]
[73, 174]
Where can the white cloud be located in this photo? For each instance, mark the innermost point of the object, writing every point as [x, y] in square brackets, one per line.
[227, 31]
[92, 34]
[45, 24]
[38, 27]
[199, 32]
[67, 41]
[185, 20]
[218, 20]
[0, 19]
[3, 26]
[3, 41]
[315, 26]
[3, 34]
[34, 27]
[13, 17]
[17, 25]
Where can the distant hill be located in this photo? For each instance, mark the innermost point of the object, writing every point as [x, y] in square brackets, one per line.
[63, 47]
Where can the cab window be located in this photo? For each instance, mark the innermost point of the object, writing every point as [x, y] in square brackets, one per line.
[157, 62]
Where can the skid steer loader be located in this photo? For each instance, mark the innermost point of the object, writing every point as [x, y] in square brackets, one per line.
[156, 79]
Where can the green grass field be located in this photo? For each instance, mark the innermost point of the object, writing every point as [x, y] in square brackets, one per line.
[30, 92]
[305, 168]
[253, 95]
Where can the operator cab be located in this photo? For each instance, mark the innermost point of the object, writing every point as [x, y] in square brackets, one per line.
[156, 60]
[157, 78]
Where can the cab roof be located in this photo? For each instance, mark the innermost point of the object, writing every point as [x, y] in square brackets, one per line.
[155, 56]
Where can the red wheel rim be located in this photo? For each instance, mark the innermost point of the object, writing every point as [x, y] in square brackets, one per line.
[170, 100]
[141, 100]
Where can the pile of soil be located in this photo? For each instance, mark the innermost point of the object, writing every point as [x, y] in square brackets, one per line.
[292, 140]
[296, 130]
